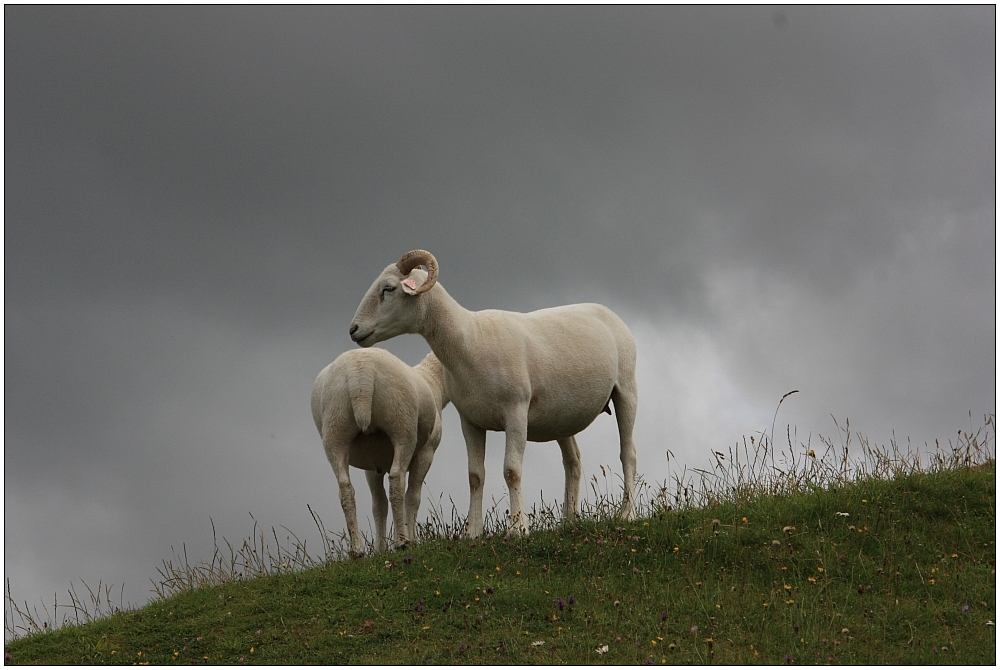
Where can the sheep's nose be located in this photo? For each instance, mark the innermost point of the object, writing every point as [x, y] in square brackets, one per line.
[354, 329]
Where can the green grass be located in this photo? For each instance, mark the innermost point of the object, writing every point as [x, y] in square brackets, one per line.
[909, 577]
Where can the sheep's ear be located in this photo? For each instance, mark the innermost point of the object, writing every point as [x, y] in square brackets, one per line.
[413, 281]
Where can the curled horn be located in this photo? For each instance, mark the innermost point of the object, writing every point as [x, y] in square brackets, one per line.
[412, 259]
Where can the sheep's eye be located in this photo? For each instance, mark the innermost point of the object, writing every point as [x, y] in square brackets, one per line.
[387, 289]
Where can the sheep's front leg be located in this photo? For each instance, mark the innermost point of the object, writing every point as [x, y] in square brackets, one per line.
[475, 445]
[571, 465]
[517, 438]
[380, 506]
[338, 453]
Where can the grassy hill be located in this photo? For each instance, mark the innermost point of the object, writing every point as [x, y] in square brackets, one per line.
[898, 570]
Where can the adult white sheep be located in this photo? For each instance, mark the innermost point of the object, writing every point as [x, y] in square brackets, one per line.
[376, 413]
[539, 376]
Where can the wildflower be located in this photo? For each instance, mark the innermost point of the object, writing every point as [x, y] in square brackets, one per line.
[517, 572]
[788, 529]
[648, 661]
[545, 568]
[663, 615]
[790, 601]
[745, 520]
[990, 623]
[618, 639]
[767, 605]
[788, 587]
[427, 627]
[671, 646]
[811, 453]
[789, 659]
[408, 560]
[676, 549]
[654, 642]
[934, 649]
[489, 590]
[930, 581]
[844, 631]
[243, 659]
[198, 639]
[560, 604]
[842, 514]
[776, 543]
[811, 580]
[571, 601]
[538, 643]
[694, 630]
[635, 571]
[602, 649]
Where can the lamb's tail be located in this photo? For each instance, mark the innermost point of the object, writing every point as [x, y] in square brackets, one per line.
[361, 386]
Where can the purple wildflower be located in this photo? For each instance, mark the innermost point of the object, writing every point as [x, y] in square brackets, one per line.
[408, 560]
[966, 608]
[572, 600]
[663, 615]
[648, 661]
[560, 604]
[489, 590]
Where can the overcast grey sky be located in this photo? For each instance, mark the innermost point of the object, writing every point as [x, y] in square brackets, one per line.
[197, 198]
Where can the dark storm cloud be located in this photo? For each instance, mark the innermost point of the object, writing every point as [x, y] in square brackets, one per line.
[197, 197]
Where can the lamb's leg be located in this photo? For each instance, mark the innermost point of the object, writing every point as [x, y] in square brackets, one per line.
[517, 437]
[380, 506]
[571, 465]
[626, 398]
[475, 445]
[338, 453]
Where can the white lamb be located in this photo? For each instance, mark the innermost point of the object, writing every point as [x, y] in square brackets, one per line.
[376, 413]
[539, 376]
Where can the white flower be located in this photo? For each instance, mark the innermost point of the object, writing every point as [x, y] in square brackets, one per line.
[538, 643]
[602, 650]
[843, 514]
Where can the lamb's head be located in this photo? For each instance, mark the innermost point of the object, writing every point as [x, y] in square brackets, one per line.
[390, 307]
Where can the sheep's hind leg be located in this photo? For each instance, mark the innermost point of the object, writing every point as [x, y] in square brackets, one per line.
[402, 453]
[475, 444]
[419, 465]
[338, 453]
[380, 506]
[572, 467]
[626, 398]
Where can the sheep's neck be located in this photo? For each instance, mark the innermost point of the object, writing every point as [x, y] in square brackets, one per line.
[444, 325]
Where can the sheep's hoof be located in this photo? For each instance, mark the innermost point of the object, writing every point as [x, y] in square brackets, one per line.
[402, 544]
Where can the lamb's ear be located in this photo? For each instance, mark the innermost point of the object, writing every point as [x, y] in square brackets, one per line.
[412, 282]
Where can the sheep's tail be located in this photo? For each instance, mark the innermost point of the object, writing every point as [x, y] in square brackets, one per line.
[361, 386]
